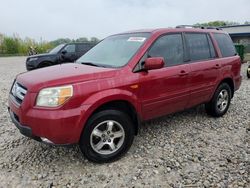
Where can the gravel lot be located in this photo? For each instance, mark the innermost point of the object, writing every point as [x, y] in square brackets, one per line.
[187, 149]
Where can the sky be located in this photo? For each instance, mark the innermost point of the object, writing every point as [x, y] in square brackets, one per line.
[52, 19]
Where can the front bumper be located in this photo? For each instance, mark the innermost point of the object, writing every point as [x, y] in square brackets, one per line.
[59, 127]
[25, 130]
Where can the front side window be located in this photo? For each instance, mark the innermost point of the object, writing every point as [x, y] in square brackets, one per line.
[170, 47]
[225, 44]
[198, 46]
[70, 48]
[114, 51]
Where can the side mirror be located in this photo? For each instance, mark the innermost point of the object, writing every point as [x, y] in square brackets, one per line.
[154, 63]
[64, 52]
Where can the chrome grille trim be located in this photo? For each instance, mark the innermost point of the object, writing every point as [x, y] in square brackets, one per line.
[19, 92]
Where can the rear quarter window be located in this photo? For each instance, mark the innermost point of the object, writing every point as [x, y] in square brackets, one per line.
[225, 44]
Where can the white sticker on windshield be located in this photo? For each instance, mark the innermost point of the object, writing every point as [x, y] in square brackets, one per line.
[136, 39]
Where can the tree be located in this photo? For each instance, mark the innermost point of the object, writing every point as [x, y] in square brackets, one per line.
[10, 45]
[216, 24]
[94, 39]
[60, 41]
[82, 39]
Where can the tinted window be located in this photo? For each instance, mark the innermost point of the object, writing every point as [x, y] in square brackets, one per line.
[170, 47]
[198, 46]
[225, 44]
[70, 48]
[84, 47]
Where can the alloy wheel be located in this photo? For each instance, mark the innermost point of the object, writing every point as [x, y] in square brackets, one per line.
[107, 137]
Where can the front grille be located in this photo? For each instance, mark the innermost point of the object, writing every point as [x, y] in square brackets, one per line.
[18, 91]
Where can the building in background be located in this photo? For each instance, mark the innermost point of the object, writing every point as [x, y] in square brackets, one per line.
[240, 34]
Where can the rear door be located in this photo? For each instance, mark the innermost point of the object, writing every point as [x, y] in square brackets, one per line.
[204, 67]
[165, 90]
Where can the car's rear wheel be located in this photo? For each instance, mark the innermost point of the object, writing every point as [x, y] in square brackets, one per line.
[220, 102]
[107, 136]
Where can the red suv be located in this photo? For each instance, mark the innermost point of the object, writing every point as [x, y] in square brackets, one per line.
[100, 101]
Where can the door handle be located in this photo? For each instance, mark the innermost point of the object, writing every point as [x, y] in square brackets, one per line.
[183, 73]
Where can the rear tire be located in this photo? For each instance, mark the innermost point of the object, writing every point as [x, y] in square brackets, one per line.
[107, 136]
[220, 102]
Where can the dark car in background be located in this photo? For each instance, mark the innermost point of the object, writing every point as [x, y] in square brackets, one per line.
[61, 54]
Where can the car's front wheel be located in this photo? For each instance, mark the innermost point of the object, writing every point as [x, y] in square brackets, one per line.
[107, 136]
[220, 102]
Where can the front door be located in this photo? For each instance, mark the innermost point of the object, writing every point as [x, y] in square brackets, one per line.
[165, 90]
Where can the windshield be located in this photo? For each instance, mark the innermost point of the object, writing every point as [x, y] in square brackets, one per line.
[114, 51]
[56, 49]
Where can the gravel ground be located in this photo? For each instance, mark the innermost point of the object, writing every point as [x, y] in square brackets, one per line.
[187, 149]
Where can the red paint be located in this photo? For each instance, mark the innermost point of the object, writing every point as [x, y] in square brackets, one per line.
[154, 63]
[159, 92]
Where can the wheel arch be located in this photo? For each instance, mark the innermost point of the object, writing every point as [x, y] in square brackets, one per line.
[227, 80]
[230, 82]
[123, 102]
[124, 106]
[45, 61]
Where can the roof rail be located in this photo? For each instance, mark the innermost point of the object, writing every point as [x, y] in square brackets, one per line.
[195, 26]
[186, 26]
[211, 27]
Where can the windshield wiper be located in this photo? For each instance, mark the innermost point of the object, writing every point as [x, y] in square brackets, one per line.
[89, 63]
[92, 64]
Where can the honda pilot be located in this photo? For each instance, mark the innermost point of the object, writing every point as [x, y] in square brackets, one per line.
[100, 101]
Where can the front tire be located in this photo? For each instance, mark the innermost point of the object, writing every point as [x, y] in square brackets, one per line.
[220, 102]
[107, 136]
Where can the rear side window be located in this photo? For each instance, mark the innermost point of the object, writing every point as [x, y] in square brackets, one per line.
[198, 46]
[170, 47]
[225, 44]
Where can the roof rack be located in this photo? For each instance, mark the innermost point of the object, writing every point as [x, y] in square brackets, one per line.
[194, 26]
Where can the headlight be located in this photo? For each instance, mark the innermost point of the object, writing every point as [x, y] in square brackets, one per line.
[33, 58]
[54, 96]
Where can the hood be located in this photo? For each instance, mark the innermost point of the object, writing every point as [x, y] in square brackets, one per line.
[61, 75]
